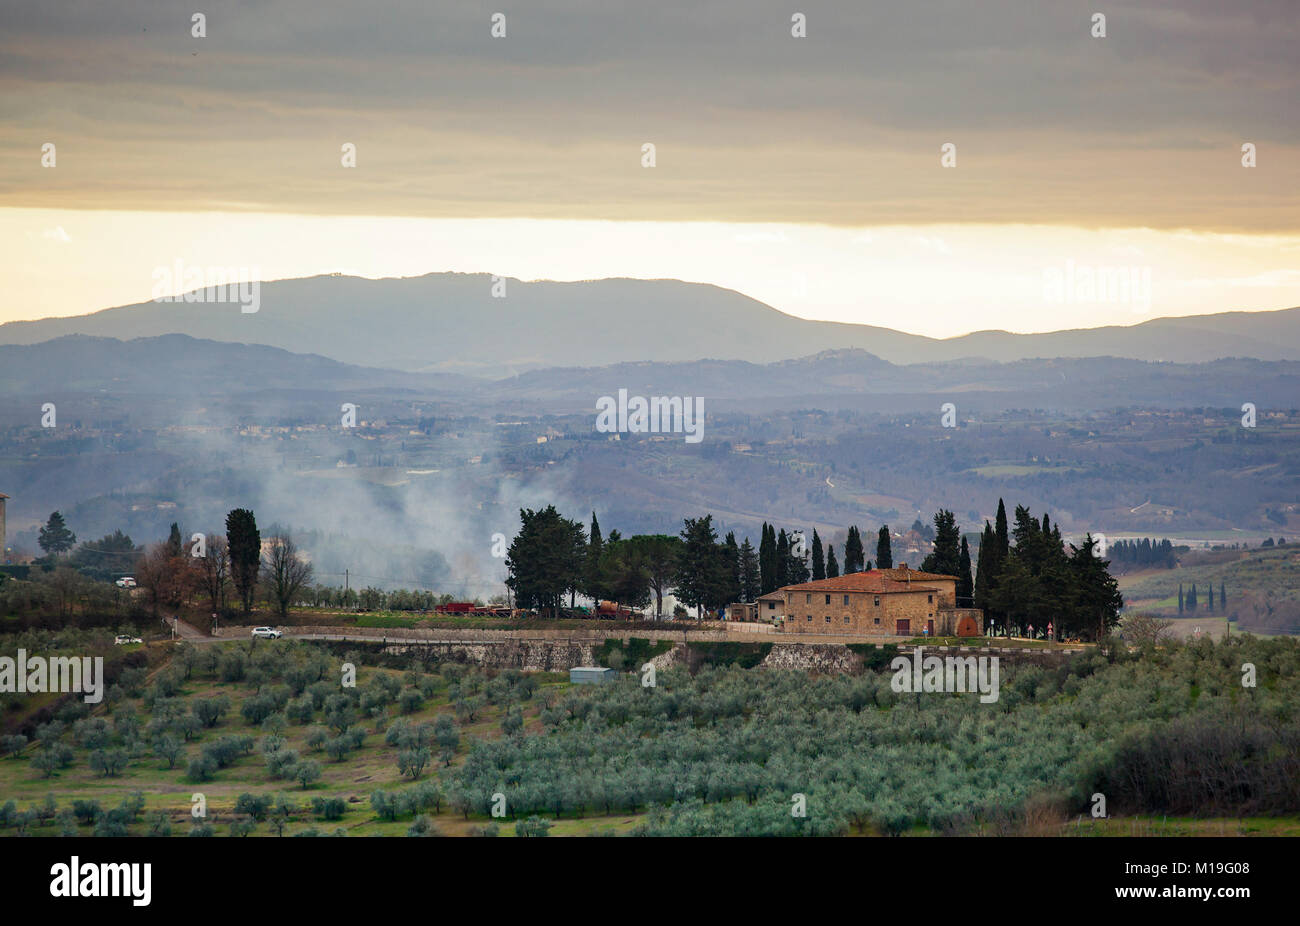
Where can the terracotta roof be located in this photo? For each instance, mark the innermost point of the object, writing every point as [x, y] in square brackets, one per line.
[877, 581]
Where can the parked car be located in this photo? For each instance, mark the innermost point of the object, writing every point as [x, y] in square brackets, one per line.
[267, 633]
[126, 582]
[123, 639]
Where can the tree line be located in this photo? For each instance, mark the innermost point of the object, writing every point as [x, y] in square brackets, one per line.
[1035, 580]
[1146, 552]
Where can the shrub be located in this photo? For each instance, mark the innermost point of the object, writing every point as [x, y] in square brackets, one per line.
[533, 826]
[329, 808]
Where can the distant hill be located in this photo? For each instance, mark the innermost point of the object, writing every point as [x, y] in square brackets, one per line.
[177, 363]
[450, 322]
[183, 367]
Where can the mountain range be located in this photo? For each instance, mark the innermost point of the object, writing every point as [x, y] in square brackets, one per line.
[452, 323]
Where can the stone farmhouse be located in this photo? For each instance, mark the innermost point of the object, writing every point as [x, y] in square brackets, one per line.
[881, 602]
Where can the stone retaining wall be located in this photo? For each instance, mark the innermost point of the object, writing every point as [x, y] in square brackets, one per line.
[559, 651]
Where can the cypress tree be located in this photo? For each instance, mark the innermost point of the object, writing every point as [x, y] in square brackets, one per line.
[593, 586]
[1000, 530]
[983, 568]
[766, 560]
[796, 570]
[1180, 597]
[731, 557]
[749, 572]
[818, 559]
[782, 559]
[884, 554]
[832, 567]
[854, 555]
[244, 543]
[175, 546]
[965, 586]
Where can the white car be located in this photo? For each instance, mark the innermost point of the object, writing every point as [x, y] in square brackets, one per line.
[267, 633]
[126, 582]
[123, 639]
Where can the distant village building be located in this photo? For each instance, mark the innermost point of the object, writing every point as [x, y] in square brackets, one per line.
[883, 602]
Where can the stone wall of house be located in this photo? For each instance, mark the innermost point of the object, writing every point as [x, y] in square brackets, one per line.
[862, 615]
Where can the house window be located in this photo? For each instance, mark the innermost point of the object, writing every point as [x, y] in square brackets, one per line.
[828, 618]
[877, 605]
[828, 599]
[771, 605]
[846, 618]
[931, 599]
[877, 621]
[810, 618]
[846, 601]
[807, 599]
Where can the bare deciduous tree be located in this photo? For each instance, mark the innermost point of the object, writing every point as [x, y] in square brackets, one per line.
[286, 572]
[1144, 628]
[214, 568]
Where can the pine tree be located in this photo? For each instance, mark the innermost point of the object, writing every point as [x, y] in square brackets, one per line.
[703, 576]
[884, 555]
[832, 567]
[1096, 601]
[55, 538]
[545, 561]
[946, 558]
[818, 559]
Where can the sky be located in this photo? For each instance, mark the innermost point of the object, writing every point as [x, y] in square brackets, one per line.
[803, 171]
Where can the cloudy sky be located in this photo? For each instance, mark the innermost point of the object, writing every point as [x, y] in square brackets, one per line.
[805, 172]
